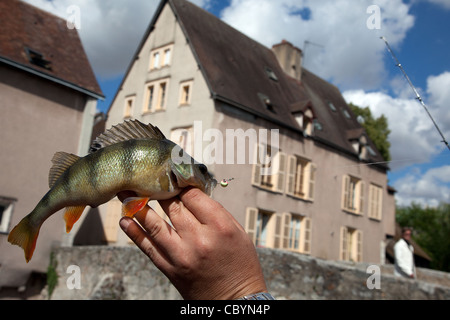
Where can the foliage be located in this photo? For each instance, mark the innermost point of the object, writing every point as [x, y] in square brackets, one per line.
[52, 275]
[376, 128]
[431, 231]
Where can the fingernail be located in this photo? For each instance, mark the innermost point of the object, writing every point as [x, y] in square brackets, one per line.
[124, 223]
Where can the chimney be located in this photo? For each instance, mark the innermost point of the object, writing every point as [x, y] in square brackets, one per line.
[290, 58]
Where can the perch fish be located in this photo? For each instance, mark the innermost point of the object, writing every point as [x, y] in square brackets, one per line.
[131, 156]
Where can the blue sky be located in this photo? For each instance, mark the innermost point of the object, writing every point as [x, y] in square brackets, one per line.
[350, 55]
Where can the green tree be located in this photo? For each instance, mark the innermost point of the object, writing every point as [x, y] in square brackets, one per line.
[376, 128]
[431, 230]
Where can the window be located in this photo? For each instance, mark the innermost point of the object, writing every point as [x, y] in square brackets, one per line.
[155, 57]
[129, 103]
[167, 57]
[185, 93]
[375, 202]
[161, 96]
[155, 98]
[6, 210]
[350, 244]
[37, 59]
[301, 176]
[278, 230]
[149, 97]
[305, 121]
[161, 57]
[269, 168]
[352, 194]
[184, 138]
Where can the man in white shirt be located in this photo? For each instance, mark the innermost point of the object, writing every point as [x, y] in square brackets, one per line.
[404, 256]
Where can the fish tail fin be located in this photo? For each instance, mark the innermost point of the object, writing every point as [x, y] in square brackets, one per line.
[25, 235]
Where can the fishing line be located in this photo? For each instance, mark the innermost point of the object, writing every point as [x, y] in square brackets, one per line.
[418, 97]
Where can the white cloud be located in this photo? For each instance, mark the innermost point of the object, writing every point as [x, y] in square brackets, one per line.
[443, 3]
[429, 188]
[413, 138]
[351, 53]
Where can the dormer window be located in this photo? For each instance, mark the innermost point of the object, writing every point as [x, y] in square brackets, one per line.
[37, 59]
[360, 146]
[267, 102]
[271, 74]
[305, 121]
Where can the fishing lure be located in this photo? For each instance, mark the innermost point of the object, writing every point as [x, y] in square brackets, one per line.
[224, 182]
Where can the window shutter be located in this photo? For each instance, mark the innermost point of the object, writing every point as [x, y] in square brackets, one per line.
[380, 203]
[292, 167]
[277, 237]
[345, 193]
[362, 187]
[286, 229]
[112, 217]
[307, 235]
[256, 171]
[280, 175]
[343, 250]
[359, 245]
[312, 180]
[250, 223]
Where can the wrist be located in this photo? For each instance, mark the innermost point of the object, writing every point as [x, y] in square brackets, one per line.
[258, 296]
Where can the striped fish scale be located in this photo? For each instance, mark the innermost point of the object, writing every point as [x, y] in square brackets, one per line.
[131, 156]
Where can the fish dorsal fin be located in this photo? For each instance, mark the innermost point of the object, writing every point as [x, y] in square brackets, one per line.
[128, 130]
[61, 162]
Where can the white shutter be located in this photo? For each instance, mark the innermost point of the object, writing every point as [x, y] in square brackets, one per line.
[312, 180]
[286, 222]
[277, 235]
[343, 244]
[256, 170]
[280, 175]
[113, 213]
[359, 246]
[250, 223]
[345, 193]
[362, 187]
[307, 235]
[292, 167]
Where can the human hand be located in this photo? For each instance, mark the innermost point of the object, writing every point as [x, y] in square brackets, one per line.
[206, 255]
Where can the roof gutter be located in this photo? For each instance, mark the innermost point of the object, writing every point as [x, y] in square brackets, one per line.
[52, 78]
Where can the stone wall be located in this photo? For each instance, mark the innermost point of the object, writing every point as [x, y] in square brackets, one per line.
[126, 273]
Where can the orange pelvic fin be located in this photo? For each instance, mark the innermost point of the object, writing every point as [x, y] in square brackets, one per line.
[25, 235]
[72, 215]
[133, 205]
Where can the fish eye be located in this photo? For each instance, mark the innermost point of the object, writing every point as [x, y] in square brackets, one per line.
[202, 168]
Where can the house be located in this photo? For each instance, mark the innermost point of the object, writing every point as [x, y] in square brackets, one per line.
[320, 186]
[48, 101]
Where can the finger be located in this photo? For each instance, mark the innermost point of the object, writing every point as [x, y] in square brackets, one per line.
[205, 209]
[182, 219]
[144, 242]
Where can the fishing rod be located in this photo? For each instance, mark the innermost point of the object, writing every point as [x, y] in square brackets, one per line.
[418, 97]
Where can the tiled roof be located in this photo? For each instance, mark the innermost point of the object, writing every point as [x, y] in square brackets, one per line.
[41, 43]
[237, 69]
[244, 73]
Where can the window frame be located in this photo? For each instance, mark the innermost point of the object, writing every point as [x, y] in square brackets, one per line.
[276, 228]
[351, 244]
[305, 178]
[375, 207]
[6, 215]
[182, 101]
[161, 61]
[129, 107]
[354, 195]
[159, 101]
